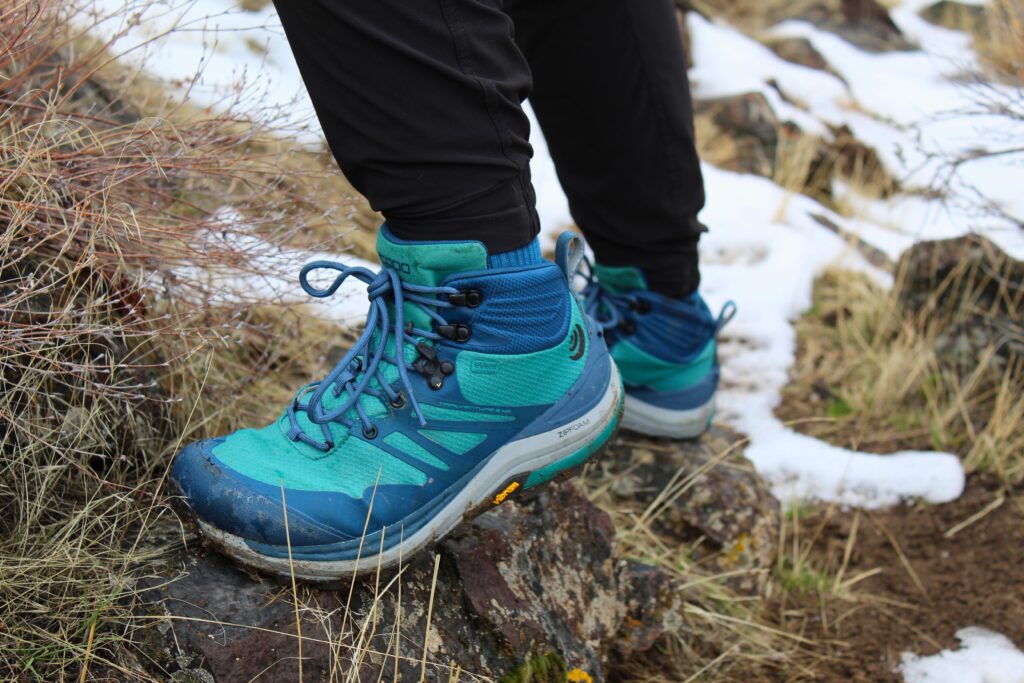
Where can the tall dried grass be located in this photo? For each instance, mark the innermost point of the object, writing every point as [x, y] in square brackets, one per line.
[875, 375]
[105, 342]
[1002, 45]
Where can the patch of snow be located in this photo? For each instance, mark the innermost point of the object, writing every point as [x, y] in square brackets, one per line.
[914, 108]
[984, 657]
[786, 249]
[896, 224]
[726, 62]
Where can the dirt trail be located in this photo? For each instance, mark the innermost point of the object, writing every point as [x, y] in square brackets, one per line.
[941, 584]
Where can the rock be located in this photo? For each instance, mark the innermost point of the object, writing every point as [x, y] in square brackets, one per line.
[709, 501]
[864, 23]
[958, 16]
[742, 133]
[941, 277]
[531, 590]
[846, 158]
[972, 292]
[799, 51]
[746, 132]
[964, 343]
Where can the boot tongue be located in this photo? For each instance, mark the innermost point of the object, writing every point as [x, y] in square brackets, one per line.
[427, 264]
[620, 279]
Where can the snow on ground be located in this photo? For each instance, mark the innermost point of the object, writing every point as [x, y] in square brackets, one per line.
[768, 267]
[983, 657]
[911, 106]
[764, 250]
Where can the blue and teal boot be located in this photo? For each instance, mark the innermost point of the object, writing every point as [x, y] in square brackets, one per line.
[665, 349]
[475, 379]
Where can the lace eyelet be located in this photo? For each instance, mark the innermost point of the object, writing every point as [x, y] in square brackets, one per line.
[398, 402]
[470, 298]
[457, 332]
[641, 306]
[370, 433]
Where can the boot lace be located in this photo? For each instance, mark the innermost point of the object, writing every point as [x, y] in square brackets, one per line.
[353, 374]
[608, 309]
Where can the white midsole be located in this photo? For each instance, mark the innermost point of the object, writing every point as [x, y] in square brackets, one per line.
[519, 456]
[645, 418]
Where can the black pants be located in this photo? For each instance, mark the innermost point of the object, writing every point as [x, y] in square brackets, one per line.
[421, 104]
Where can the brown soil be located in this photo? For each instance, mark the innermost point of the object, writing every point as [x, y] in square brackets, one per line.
[974, 578]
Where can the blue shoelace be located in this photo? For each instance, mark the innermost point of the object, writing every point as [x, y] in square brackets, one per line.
[607, 309]
[354, 372]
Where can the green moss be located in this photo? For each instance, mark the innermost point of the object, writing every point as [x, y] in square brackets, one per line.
[802, 578]
[838, 407]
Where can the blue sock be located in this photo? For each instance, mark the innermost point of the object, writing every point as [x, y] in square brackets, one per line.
[523, 256]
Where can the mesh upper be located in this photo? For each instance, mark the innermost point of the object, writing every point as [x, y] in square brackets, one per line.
[352, 467]
[536, 299]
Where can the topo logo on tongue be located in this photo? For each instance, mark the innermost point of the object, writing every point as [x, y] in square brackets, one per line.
[401, 266]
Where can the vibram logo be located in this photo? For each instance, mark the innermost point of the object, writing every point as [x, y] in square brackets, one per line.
[578, 343]
[509, 490]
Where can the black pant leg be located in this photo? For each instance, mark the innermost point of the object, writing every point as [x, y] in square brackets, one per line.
[612, 96]
[420, 102]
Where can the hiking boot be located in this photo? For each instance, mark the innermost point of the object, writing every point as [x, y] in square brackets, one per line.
[665, 349]
[473, 381]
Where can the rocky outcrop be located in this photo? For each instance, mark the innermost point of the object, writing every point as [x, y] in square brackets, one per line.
[799, 51]
[703, 497]
[535, 591]
[742, 133]
[533, 588]
[864, 23]
[972, 292]
[959, 16]
[745, 130]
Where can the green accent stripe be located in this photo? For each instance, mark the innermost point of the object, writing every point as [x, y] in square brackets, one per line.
[620, 279]
[441, 414]
[456, 442]
[403, 443]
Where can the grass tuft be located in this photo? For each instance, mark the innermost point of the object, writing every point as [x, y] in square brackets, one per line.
[939, 374]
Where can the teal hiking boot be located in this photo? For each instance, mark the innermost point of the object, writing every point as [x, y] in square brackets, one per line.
[476, 378]
[665, 349]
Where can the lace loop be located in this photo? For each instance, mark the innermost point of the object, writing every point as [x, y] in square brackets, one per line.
[607, 309]
[362, 364]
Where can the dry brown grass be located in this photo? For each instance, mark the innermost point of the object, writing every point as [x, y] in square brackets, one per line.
[722, 635]
[1001, 44]
[868, 371]
[110, 354]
